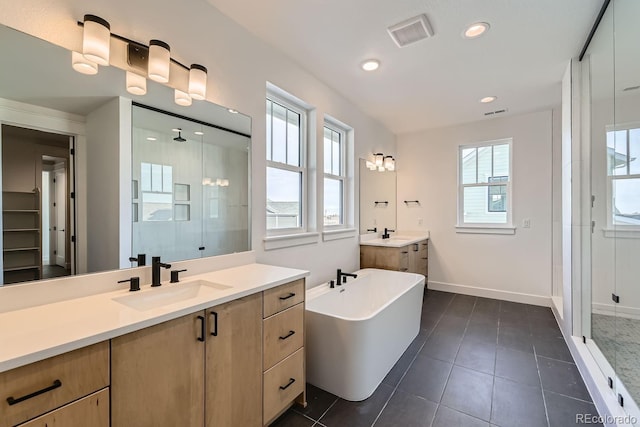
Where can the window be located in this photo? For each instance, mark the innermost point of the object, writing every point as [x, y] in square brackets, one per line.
[623, 170]
[157, 192]
[285, 165]
[334, 175]
[485, 184]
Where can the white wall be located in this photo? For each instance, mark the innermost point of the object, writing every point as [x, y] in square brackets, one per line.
[239, 67]
[515, 267]
[108, 154]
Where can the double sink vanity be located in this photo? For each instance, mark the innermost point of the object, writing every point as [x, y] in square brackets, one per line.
[219, 348]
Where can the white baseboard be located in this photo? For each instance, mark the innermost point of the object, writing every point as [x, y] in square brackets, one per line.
[616, 310]
[491, 293]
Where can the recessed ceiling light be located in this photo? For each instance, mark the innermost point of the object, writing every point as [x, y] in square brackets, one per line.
[198, 132]
[370, 65]
[488, 99]
[151, 138]
[475, 30]
[232, 111]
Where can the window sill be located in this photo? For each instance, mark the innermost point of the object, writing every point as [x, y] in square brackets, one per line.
[485, 230]
[289, 240]
[336, 234]
[621, 233]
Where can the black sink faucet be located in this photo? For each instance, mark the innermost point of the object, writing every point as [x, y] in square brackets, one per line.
[342, 277]
[141, 260]
[385, 235]
[155, 270]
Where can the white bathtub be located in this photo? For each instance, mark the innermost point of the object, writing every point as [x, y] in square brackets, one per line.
[356, 332]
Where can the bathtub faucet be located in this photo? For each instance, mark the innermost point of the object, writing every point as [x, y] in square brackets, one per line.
[342, 277]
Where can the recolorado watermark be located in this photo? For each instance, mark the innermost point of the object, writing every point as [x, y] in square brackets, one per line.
[597, 419]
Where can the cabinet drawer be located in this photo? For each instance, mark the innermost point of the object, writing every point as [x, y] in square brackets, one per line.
[92, 410]
[283, 334]
[42, 386]
[282, 384]
[424, 249]
[283, 297]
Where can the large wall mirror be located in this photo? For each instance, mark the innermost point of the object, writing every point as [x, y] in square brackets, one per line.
[377, 199]
[611, 298]
[92, 175]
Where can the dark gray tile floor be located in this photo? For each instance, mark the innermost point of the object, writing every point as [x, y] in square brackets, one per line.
[475, 362]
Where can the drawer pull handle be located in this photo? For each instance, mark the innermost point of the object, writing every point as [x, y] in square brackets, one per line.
[291, 295]
[404, 252]
[215, 323]
[424, 258]
[201, 337]
[404, 269]
[288, 335]
[55, 385]
[291, 381]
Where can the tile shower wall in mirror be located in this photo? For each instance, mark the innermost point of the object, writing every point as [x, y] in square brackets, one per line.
[613, 299]
[190, 188]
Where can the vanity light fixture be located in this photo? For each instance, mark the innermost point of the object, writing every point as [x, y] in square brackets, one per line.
[136, 84]
[488, 99]
[381, 169]
[198, 82]
[371, 166]
[182, 98]
[379, 159]
[475, 30]
[82, 64]
[96, 39]
[159, 61]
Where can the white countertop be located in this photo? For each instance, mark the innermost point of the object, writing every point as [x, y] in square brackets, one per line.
[395, 241]
[36, 333]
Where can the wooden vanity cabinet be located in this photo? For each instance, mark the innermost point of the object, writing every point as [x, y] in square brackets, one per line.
[283, 344]
[201, 369]
[157, 375]
[92, 410]
[32, 390]
[411, 258]
[233, 374]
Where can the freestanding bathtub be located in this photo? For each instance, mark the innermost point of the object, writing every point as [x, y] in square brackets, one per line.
[356, 332]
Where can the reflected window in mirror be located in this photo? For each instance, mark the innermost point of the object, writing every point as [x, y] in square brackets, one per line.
[334, 175]
[286, 167]
[623, 171]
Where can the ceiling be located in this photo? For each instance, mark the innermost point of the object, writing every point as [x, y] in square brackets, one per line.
[438, 81]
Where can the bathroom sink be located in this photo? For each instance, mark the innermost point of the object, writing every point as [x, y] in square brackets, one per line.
[171, 294]
[400, 239]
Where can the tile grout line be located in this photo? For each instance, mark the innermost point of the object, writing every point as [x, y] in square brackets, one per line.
[395, 388]
[325, 412]
[544, 399]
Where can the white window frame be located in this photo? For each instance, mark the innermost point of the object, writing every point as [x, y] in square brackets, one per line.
[611, 229]
[299, 109]
[489, 228]
[331, 125]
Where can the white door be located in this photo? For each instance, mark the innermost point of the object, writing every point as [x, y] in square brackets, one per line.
[60, 214]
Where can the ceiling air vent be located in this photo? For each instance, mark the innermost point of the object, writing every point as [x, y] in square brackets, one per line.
[494, 113]
[410, 31]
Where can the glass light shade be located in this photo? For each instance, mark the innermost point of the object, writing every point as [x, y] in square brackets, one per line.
[197, 82]
[136, 84]
[82, 64]
[381, 169]
[371, 166]
[379, 159]
[387, 162]
[182, 98]
[96, 39]
[392, 165]
[159, 61]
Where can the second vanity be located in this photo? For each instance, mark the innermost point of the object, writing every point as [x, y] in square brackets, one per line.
[222, 348]
[408, 252]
